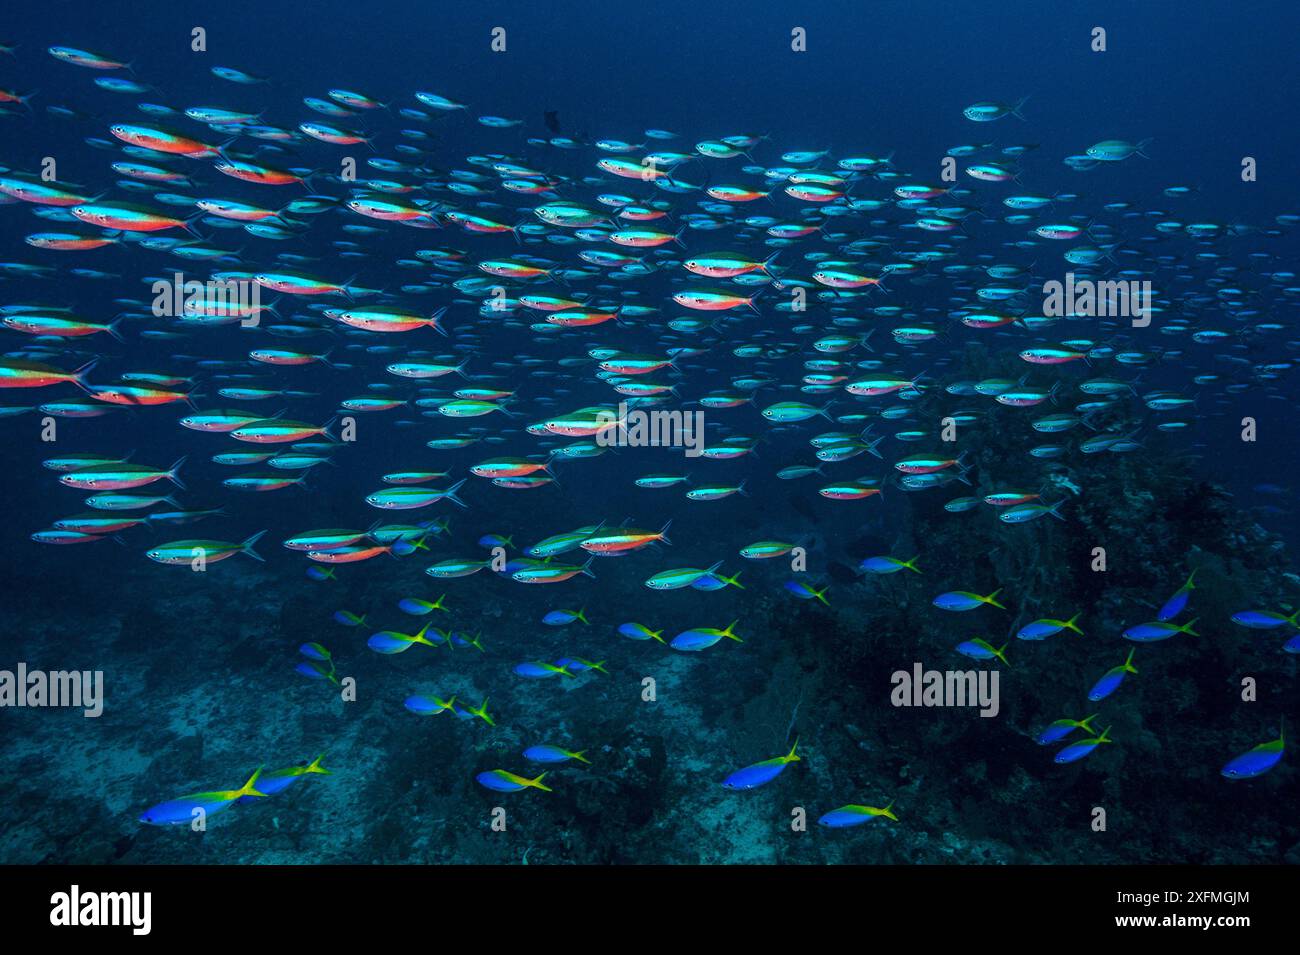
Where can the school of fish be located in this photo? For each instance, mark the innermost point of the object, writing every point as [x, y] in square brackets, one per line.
[641, 273]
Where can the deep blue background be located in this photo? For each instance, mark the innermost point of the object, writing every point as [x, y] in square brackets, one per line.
[1211, 82]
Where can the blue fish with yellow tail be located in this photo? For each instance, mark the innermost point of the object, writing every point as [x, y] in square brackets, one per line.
[278, 780]
[1257, 761]
[1084, 747]
[760, 774]
[959, 600]
[499, 780]
[1058, 730]
[1178, 602]
[182, 811]
[1111, 680]
[1158, 630]
[852, 815]
[546, 753]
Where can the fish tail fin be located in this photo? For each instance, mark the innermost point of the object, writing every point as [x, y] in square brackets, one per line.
[911, 564]
[792, 756]
[250, 788]
[220, 148]
[991, 599]
[1055, 510]
[663, 532]
[1020, 105]
[79, 376]
[1072, 623]
[766, 267]
[888, 811]
[1187, 627]
[537, 783]
[581, 756]
[586, 568]
[435, 321]
[1086, 722]
[451, 492]
[821, 595]
[315, 767]
[727, 632]
[346, 289]
[247, 547]
[171, 472]
[657, 635]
